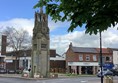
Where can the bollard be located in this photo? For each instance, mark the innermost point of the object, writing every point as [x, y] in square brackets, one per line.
[108, 79]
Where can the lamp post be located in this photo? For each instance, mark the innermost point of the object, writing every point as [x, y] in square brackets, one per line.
[101, 63]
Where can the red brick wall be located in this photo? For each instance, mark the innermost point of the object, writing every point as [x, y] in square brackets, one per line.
[86, 54]
[3, 46]
[11, 66]
[52, 53]
[74, 57]
[57, 66]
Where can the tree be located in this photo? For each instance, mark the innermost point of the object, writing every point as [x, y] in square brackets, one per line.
[17, 40]
[97, 15]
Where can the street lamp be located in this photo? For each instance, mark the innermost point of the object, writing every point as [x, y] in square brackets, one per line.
[101, 63]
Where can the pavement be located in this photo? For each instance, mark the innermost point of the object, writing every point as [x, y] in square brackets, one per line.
[19, 76]
[59, 76]
[27, 77]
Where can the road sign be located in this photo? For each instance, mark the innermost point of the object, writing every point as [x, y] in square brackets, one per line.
[108, 65]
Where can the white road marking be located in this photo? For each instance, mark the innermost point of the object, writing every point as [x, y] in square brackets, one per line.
[83, 81]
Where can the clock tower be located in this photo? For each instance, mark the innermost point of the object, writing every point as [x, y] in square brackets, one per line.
[40, 46]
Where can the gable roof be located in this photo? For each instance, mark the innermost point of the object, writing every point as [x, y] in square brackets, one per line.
[84, 50]
[104, 50]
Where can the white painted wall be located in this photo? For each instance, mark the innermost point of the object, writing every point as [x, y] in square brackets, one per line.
[83, 64]
[115, 57]
[57, 58]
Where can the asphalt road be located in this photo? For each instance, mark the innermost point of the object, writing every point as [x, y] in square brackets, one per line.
[57, 80]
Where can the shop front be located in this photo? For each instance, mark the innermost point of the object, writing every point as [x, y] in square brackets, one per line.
[83, 67]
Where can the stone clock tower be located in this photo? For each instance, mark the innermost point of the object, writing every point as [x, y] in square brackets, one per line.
[40, 46]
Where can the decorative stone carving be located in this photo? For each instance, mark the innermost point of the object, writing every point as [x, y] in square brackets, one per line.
[41, 40]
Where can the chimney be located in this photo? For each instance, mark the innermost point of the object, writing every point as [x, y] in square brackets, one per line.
[3, 45]
[70, 45]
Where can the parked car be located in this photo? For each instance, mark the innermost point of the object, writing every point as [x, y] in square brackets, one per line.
[115, 72]
[105, 73]
[11, 71]
[3, 71]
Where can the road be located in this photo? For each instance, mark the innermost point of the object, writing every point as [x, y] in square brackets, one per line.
[58, 80]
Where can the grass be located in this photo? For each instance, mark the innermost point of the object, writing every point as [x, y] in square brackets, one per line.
[74, 75]
[79, 75]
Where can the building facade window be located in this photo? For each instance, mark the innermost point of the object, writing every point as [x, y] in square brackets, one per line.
[25, 64]
[108, 58]
[87, 58]
[94, 58]
[80, 57]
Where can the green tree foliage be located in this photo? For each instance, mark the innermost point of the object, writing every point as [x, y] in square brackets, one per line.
[97, 15]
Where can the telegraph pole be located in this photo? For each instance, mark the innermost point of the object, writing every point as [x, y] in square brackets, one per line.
[101, 63]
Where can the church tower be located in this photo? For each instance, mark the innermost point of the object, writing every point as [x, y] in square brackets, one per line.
[40, 46]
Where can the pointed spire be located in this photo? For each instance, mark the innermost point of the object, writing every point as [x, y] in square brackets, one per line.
[41, 9]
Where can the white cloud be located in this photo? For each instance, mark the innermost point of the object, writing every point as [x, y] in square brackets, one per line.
[26, 24]
[61, 42]
[52, 25]
[80, 39]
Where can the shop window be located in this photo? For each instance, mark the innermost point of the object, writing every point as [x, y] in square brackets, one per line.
[80, 57]
[87, 58]
[94, 58]
[25, 63]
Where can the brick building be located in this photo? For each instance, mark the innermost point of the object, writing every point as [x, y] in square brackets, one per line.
[2, 61]
[85, 60]
[3, 52]
[57, 63]
[22, 59]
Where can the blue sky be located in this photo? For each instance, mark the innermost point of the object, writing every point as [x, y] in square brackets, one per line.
[16, 8]
[20, 14]
[23, 9]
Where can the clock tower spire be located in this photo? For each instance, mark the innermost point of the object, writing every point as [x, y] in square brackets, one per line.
[40, 46]
[41, 9]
